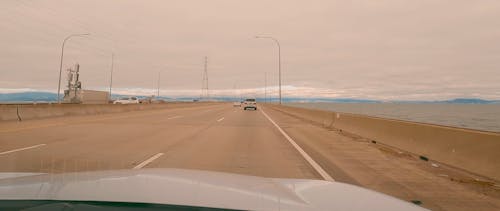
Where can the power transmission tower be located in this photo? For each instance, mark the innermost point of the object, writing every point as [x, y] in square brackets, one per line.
[204, 87]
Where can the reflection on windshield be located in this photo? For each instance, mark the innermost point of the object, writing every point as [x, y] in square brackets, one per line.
[39, 205]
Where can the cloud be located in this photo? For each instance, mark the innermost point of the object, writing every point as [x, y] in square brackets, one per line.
[364, 49]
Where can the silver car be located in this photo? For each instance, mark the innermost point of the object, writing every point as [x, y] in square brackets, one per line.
[250, 104]
[127, 100]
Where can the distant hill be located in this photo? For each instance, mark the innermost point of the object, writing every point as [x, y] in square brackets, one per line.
[52, 97]
[28, 97]
[470, 101]
[453, 101]
[330, 100]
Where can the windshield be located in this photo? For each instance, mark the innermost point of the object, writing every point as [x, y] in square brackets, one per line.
[155, 102]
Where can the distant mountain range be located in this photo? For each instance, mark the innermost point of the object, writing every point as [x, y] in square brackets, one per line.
[52, 97]
[28, 97]
[456, 101]
[471, 101]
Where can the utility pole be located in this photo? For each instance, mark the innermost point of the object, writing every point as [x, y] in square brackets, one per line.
[111, 78]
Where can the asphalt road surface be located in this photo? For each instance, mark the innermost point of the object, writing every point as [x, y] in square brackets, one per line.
[214, 137]
[220, 137]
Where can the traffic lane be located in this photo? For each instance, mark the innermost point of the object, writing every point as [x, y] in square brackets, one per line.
[199, 116]
[112, 144]
[14, 135]
[375, 167]
[99, 144]
[243, 142]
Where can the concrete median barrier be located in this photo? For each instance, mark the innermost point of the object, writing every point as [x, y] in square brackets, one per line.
[38, 111]
[472, 150]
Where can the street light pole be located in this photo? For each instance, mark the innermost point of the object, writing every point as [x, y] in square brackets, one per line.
[60, 66]
[279, 60]
[158, 91]
[265, 87]
[111, 78]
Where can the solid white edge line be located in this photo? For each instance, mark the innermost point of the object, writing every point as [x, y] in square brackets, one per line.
[308, 158]
[146, 162]
[220, 119]
[21, 149]
[174, 117]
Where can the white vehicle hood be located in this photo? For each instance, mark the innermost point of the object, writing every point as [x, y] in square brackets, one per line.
[196, 188]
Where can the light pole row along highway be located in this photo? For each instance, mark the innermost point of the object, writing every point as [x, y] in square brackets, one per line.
[111, 80]
[279, 60]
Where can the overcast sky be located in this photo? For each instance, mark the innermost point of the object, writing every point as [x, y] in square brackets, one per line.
[399, 50]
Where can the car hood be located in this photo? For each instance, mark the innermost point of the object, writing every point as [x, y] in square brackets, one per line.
[196, 188]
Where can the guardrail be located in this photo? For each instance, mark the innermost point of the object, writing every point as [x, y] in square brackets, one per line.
[472, 150]
[21, 112]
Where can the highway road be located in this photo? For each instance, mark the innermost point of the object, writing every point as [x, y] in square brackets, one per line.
[219, 137]
[216, 137]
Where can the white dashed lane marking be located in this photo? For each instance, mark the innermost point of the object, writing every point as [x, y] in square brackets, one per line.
[21, 149]
[148, 161]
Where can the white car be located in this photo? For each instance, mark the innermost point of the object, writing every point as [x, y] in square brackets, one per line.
[249, 104]
[237, 104]
[127, 100]
[182, 189]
